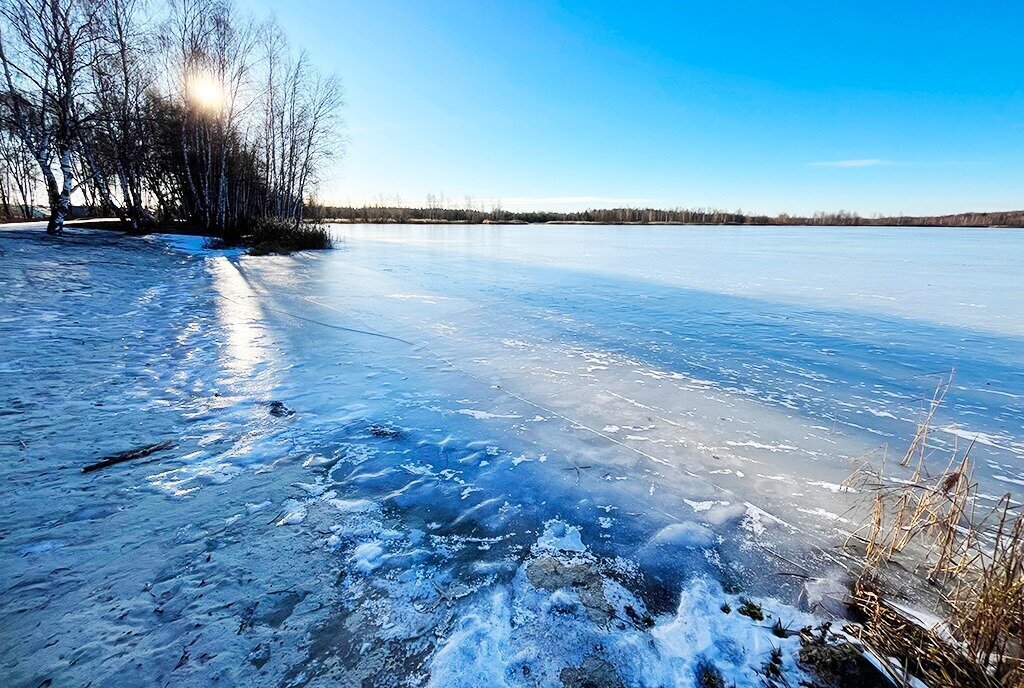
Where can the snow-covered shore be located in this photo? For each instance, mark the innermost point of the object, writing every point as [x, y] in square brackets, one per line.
[468, 483]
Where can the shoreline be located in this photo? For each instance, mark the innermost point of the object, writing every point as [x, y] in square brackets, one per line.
[115, 225]
[419, 221]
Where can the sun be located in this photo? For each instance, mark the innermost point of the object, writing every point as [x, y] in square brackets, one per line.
[205, 91]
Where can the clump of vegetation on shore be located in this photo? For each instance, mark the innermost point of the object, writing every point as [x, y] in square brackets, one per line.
[967, 562]
[272, 236]
[280, 237]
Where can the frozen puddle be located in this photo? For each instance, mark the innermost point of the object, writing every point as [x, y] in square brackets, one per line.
[386, 472]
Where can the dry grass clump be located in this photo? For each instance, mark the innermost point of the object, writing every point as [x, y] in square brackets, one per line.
[967, 563]
[283, 237]
[988, 603]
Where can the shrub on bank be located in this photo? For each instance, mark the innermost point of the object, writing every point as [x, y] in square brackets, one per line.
[282, 237]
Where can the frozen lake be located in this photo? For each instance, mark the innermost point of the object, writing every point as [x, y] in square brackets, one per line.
[509, 455]
[845, 332]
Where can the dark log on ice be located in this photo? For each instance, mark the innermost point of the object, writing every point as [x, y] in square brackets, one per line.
[121, 457]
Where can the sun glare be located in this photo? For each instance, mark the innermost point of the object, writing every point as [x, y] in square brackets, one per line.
[205, 91]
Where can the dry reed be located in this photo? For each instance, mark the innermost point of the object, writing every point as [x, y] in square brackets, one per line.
[967, 561]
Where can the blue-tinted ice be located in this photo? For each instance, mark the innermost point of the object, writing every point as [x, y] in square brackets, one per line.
[509, 455]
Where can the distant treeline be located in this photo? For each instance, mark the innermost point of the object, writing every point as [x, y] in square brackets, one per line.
[158, 111]
[699, 216]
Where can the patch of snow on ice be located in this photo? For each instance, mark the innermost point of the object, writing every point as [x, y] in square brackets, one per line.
[559, 535]
[484, 415]
[294, 512]
[760, 445]
[830, 486]
[823, 514]
[684, 534]
[754, 520]
[979, 437]
[476, 652]
[734, 644]
[367, 556]
[425, 298]
[353, 506]
[1007, 479]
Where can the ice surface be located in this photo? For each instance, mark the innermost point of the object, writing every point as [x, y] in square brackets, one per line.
[513, 459]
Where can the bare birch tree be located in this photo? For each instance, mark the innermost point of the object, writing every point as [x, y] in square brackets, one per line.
[300, 125]
[46, 51]
[18, 177]
[114, 144]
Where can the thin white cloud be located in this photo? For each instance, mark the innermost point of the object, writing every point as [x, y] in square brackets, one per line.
[860, 162]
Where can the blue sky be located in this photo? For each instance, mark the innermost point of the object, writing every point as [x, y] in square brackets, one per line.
[877, 107]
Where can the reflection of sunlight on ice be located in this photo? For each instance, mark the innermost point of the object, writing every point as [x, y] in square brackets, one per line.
[240, 316]
[231, 426]
[183, 481]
